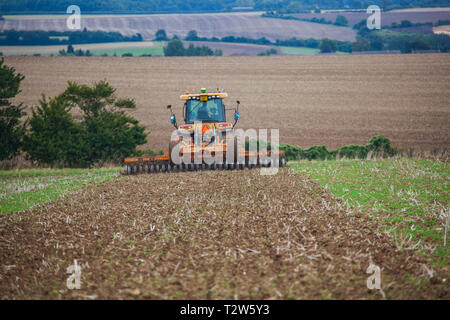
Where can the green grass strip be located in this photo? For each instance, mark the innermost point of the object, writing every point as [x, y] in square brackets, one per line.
[23, 189]
[410, 195]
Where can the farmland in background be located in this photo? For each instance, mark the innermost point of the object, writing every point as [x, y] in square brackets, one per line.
[299, 50]
[141, 47]
[250, 25]
[317, 100]
[387, 18]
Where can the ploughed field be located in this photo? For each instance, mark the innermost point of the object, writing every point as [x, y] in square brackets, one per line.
[320, 100]
[246, 24]
[387, 18]
[207, 234]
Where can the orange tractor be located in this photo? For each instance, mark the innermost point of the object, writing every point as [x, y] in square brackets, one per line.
[205, 141]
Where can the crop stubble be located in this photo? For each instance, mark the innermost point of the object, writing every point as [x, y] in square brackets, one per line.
[203, 235]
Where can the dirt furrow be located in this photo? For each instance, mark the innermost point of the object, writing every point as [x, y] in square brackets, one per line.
[197, 235]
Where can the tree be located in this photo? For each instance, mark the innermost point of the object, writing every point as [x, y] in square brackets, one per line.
[376, 44]
[11, 129]
[54, 138]
[405, 24]
[111, 134]
[361, 45]
[327, 45]
[174, 48]
[104, 132]
[341, 20]
[191, 36]
[70, 49]
[161, 35]
[417, 44]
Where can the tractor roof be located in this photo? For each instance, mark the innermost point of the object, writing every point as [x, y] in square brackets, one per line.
[189, 95]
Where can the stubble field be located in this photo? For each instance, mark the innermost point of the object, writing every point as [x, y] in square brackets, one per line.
[329, 100]
[309, 232]
[250, 237]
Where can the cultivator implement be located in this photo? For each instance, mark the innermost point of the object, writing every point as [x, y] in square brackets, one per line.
[205, 142]
[155, 164]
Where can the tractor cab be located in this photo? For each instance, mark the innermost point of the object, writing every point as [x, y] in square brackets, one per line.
[211, 109]
[207, 108]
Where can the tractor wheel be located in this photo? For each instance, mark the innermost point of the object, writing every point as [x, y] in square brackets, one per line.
[172, 145]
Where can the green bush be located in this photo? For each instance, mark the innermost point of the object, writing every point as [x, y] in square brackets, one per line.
[160, 35]
[341, 20]
[352, 151]
[174, 48]
[104, 132]
[381, 145]
[327, 46]
[11, 129]
[378, 145]
[316, 153]
[54, 138]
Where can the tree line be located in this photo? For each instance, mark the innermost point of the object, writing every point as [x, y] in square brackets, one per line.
[340, 21]
[344, 46]
[406, 42]
[23, 38]
[175, 48]
[53, 136]
[152, 6]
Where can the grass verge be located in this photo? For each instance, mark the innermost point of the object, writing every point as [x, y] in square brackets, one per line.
[23, 189]
[409, 196]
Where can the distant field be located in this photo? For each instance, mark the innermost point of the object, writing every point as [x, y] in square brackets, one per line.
[136, 48]
[156, 49]
[313, 100]
[442, 30]
[299, 51]
[304, 51]
[387, 18]
[249, 24]
[98, 48]
[232, 49]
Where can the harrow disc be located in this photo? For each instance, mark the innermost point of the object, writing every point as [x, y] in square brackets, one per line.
[144, 165]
